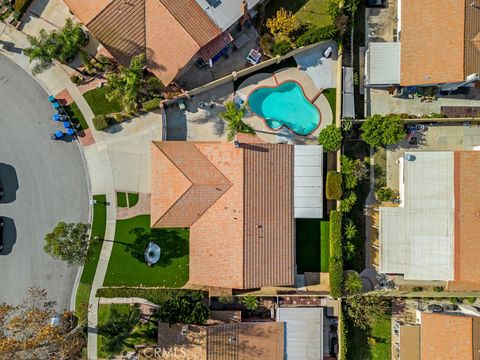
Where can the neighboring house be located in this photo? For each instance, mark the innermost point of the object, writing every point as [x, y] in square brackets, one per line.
[240, 202]
[433, 234]
[171, 33]
[438, 45]
[443, 336]
[236, 341]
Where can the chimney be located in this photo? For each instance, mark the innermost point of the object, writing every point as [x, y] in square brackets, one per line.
[244, 11]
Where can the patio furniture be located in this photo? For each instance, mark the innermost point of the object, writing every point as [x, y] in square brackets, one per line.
[152, 253]
[254, 56]
[181, 104]
[328, 52]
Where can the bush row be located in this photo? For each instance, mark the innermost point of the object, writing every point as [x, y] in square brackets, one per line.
[333, 185]
[156, 296]
[336, 254]
[21, 5]
[316, 34]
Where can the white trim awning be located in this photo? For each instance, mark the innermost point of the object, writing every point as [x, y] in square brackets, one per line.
[308, 182]
[383, 63]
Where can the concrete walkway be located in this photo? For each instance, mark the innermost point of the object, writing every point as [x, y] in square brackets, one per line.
[129, 301]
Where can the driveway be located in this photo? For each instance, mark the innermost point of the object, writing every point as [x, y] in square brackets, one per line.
[45, 183]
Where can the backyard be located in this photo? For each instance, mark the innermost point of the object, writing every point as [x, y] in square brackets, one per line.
[127, 266]
[142, 334]
[313, 251]
[373, 343]
[306, 11]
[331, 95]
[99, 104]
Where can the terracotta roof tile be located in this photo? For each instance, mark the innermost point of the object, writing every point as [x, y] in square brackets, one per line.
[448, 337]
[86, 10]
[252, 186]
[432, 42]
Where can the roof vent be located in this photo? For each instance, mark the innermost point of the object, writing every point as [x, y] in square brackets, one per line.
[409, 157]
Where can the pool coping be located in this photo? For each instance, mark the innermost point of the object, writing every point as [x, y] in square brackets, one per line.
[285, 126]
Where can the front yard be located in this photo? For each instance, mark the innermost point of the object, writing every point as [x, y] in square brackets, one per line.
[99, 104]
[127, 266]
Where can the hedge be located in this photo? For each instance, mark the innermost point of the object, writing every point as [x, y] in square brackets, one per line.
[21, 5]
[336, 254]
[334, 185]
[100, 122]
[151, 105]
[156, 296]
[317, 34]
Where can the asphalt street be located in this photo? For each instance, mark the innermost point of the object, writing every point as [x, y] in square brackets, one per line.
[45, 182]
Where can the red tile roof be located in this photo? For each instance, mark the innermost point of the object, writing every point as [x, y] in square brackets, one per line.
[449, 337]
[238, 203]
[170, 32]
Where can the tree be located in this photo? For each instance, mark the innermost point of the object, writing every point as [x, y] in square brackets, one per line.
[126, 84]
[353, 171]
[118, 328]
[61, 45]
[386, 194]
[233, 116]
[380, 130]
[68, 242]
[350, 230]
[250, 302]
[331, 138]
[183, 308]
[349, 250]
[365, 310]
[347, 203]
[283, 23]
[353, 284]
[333, 9]
[26, 332]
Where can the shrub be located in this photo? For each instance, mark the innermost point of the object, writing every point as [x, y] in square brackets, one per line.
[151, 105]
[100, 122]
[266, 43]
[116, 118]
[347, 203]
[316, 34]
[454, 300]
[417, 288]
[331, 138]
[156, 296]
[77, 80]
[386, 194]
[284, 23]
[438, 288]
[184, 308]
[336, 254]
[471, 300]
[333, 9]
[353, 284]
[350, 229]
[333, 185]
[21, 5]
[383, 130]
[353, 171]
[281, 47]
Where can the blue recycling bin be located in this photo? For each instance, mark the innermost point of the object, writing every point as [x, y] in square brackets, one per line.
[52, 99]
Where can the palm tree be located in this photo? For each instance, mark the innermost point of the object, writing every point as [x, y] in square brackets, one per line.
[350, 230]
[250, 302]
[353, 284]
[62, 45]
[233, 116]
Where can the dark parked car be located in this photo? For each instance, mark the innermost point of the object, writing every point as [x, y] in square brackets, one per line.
[436, 308]
[1, 191]
[1, 234]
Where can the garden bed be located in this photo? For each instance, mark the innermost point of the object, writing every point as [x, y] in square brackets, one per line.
[127, 266]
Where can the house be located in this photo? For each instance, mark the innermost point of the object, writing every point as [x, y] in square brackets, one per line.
[172, 34]
[446, 336]
[240, 341]
[240, 202]
[437, 44]
[433, 233]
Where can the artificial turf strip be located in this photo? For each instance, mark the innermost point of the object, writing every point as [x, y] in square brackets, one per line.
[122, 199]
[308, 245]
[98, 230]
[99, 104]
[132, 199]
[127, 266]
[324, 246]
[331, 95]
[76, 115]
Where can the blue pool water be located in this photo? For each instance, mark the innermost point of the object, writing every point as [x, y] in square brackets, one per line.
[285, 105]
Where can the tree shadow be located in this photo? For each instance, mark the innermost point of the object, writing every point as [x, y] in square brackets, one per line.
[172, 245]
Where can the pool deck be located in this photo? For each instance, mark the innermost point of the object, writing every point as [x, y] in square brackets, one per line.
[313, 94]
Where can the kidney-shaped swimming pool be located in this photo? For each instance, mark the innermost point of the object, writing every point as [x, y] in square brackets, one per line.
[285, 105]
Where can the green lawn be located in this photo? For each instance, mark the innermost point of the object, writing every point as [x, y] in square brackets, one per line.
[99, 104]
[81, 301]
[98, 229]
[132, 199]
[307, 11]
[76, 115]
[127, 266]
[380, 159]
[331, 95]
[122, 199]
[312, 243]
[379, 346]
[141, 334]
